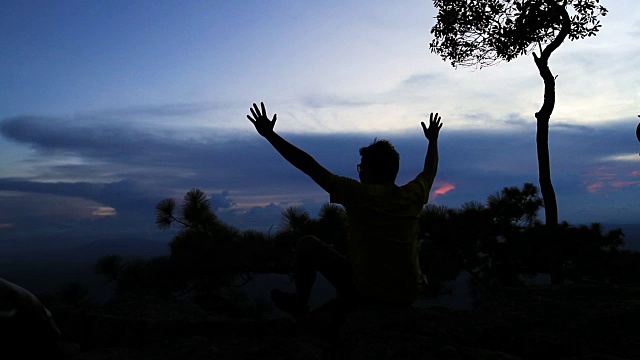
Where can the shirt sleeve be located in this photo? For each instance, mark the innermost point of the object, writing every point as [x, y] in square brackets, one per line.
[418, 189]
[344, 190]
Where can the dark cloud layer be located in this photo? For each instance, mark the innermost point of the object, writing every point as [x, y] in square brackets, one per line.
[130, 169]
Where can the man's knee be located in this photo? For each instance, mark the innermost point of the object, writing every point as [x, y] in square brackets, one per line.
[308, 244]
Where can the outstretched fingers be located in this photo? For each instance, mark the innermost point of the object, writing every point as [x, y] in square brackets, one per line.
[435, 120]
[259, 112]
[431, 131]
[256, 111]
[259, 119]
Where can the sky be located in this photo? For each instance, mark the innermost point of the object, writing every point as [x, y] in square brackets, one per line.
[108, 107]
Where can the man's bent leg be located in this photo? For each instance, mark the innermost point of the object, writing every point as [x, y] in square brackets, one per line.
[314, 255]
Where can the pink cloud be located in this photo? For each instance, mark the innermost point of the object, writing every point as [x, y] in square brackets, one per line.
[620, 184]
[442, 189]
[607, 178]
[595, 187]
[102, 211]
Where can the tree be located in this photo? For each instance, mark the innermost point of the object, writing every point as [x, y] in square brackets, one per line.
[485, 32]
[497, 243]
[206, 253]
[451, 241]
[514, 206]
[195, 214]
[294, 219]
[110, 266]
[332, 226]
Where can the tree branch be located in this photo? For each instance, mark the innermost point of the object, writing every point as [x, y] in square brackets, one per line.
[564, 29]
[181, 222]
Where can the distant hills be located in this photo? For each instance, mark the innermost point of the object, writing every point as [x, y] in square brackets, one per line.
[47, 269]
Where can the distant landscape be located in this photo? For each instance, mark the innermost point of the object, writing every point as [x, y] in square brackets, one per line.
[48, 270]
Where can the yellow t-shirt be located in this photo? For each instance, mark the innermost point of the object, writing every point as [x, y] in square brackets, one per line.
[383, 229]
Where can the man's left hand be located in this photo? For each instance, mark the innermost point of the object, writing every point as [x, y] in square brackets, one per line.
[260, 120]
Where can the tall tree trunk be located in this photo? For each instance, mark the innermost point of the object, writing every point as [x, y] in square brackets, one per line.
[544, 174]
[542, 142]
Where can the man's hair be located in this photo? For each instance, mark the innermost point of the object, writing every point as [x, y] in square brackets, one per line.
[382, 159]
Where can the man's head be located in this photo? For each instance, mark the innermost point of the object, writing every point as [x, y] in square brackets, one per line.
[379, 164]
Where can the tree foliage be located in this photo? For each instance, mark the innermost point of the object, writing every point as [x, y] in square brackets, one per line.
[294, 219]
[515, 206]
[501, 242]
[207, 258]
[110, 266]
[330, 226]
[485, 32]
[204, 248]
[194, 214]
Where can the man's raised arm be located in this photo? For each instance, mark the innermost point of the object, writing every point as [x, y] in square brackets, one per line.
[431, 159]
[298, 158]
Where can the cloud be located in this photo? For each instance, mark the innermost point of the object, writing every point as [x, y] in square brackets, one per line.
[164, 110]
[261, 218]
[442, 189]
[622, 157]
[117, 165]
[125, 195]
[611, 177]
[594, 187]
[221, 201]
[104, 211]
[325, 101]
[570, 126]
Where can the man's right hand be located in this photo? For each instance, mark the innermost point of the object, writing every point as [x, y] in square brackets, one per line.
[263, 125]
[431, 133]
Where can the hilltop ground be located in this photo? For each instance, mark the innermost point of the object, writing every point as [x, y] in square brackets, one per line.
[585, 321]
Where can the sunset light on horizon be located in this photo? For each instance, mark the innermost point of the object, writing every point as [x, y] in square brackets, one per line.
[109, 107]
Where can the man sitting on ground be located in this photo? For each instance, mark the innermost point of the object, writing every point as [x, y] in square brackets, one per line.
[381, 267]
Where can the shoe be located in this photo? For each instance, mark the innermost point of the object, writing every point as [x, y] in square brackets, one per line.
[288, 303]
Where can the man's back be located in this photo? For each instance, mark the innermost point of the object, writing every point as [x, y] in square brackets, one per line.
[383, 226]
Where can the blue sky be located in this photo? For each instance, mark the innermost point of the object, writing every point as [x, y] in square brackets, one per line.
[107, 107]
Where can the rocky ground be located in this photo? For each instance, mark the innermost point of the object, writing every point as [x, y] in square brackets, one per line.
[564, 322]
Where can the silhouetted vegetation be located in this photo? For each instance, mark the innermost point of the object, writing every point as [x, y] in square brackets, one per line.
[209, 260]
[499, 243]
[502, 243]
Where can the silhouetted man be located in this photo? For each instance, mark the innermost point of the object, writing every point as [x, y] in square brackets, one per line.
[381, 266]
